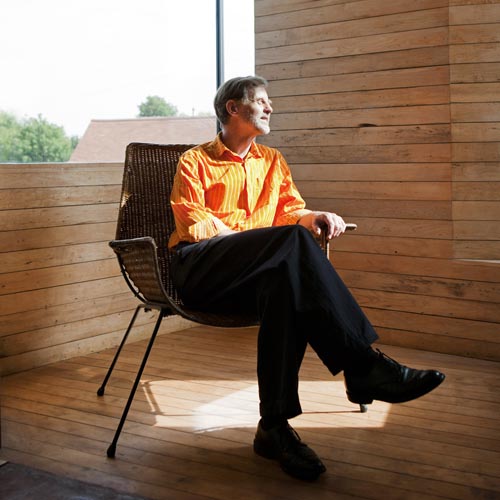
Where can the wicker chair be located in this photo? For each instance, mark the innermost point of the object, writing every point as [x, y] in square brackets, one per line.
[145, 223]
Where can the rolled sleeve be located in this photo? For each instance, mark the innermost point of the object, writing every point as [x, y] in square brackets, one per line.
[292, 217]
[205, 229]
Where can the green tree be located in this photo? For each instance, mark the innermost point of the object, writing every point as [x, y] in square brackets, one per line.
[33, 140]
[42, 141]
[157, 106]
[9, 131]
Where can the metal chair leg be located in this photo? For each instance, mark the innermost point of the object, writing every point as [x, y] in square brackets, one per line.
[100, 391]
[112, 447]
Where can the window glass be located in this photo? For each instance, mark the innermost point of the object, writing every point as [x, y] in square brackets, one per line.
[71, 62]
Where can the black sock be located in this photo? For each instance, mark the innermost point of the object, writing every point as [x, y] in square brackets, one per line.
[271, 422]
[363, 363]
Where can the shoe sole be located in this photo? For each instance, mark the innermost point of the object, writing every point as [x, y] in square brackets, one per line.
[368, 398]
[263, 451]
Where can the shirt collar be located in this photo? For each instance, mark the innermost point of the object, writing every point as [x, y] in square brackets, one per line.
[219, 149]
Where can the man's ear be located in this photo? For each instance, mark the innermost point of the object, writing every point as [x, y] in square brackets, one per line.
[232, 107]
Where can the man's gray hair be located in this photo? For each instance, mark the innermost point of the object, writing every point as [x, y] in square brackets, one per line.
[236, 89]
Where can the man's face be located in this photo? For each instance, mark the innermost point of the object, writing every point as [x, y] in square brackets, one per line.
[257, 110]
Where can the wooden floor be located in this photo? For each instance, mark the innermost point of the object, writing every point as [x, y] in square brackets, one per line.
[191, 427]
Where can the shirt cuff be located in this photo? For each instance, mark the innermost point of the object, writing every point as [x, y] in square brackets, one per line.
[206, 229]
[293, 217]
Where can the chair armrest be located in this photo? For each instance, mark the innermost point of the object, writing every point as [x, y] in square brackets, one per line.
[324, 242]
[139, 265]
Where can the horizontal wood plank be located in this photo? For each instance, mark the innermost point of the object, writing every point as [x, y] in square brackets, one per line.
[383, 208]
[363, 134]
[55, 256]
[379, 117]
[455, 308]
[475, 33]
[488, 250]
[418, 323]
[424, 285]
[476, 112]
[377, 153]
[32, 218]
[476, 72]
[49, 277]
[69, 332]
[477, 170]
[63, 294]
[439, 342]
[475, 53]
[390, 245]
[475, 152]
[20, 198]
[476, 210]
[431, 191]
[485, 191]
[366, 99]
[29, 239]
[429, 267]
[475, 92]
[66, 314]
[417, 172]
[475, 14]
[49, 175]
[477, 230]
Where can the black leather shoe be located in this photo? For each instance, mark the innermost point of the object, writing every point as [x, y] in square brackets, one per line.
[390, 382]
[282, 443]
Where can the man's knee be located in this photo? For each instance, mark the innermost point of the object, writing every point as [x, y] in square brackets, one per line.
[302, 236]
[295, 231]
[297, 244]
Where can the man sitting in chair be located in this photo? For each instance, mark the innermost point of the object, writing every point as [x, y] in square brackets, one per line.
[244, 243]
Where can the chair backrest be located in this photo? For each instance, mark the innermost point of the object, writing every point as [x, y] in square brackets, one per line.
[145, 202]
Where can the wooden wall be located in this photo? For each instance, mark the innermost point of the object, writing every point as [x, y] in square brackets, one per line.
[61, 292]
[388, 114]
[475, 128]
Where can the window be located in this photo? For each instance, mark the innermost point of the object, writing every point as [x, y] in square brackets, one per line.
[73, 62]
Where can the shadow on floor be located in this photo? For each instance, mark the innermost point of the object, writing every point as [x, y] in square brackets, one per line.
[24, 483]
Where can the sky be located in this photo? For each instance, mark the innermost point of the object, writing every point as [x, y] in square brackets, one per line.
[76, 60]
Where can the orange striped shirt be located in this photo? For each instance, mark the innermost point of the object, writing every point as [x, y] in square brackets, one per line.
[215, 189]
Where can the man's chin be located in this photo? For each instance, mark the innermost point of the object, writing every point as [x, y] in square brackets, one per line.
[264, 129]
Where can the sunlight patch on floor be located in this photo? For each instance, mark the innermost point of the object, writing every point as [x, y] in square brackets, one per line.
[183, 404]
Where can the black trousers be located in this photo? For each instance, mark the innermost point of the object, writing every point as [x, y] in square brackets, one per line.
[281, 275]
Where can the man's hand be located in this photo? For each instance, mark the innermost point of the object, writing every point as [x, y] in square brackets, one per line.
[226, 232]
[332, 223]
